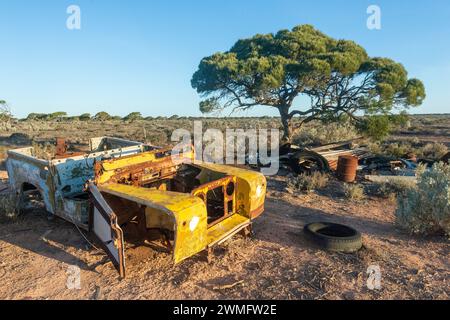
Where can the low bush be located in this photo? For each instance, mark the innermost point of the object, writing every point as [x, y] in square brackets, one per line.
[434, 150]
[426, 209]
[354, 192]
[398, 150]
[308, 182]
[393, 187]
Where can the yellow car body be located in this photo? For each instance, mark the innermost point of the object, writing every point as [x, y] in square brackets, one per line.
[194, 205]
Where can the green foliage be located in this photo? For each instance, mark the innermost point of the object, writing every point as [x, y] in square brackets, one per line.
[47, 116]
[400, 120]
[209, 105]
[377, 127]
[102, 116]
[133, 116]
[85, 117]
[37, 116]
[337, 76]
[57, 115]
[426, 209]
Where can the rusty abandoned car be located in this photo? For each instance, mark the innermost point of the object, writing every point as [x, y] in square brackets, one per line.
[125, 185]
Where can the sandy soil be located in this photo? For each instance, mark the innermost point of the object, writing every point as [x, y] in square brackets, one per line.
[276, 263]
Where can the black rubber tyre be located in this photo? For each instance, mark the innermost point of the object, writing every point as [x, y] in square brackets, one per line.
[334, 237]
[307, 162]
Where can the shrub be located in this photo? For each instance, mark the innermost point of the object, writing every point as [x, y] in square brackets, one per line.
[426, 209]
[354, 192]
[377, 127]
[398, 150]
[57, 115]
[85, 117]
[37, 116]
[308, 182]
[133, 116]
[391, 189]
[102, 116]
[8, 206]
[434, 150]
[396, 187]
[375, 148]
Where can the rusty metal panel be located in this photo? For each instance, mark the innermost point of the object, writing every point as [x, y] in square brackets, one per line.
[59, 180]
[250, 187]
[188, 213]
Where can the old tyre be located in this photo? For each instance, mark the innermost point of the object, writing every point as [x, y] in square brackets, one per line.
[307, 162]
[334, 237]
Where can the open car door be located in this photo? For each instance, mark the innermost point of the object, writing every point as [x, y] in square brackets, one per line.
[103, 224]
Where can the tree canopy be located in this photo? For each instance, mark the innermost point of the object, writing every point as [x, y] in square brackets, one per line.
[102, 116]
[133, 116]
[337, 76]
[48, 116]
[85, 117]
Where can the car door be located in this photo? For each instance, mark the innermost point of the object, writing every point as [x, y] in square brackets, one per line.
[103, 224]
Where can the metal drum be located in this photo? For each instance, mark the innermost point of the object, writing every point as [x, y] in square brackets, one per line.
[346, 168]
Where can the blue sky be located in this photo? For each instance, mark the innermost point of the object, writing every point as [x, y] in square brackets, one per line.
[140, 55]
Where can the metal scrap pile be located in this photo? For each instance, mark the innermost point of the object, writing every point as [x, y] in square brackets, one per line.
[373, 167]
[321, 158]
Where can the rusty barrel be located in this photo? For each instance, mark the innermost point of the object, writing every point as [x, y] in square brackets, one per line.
[346, 168]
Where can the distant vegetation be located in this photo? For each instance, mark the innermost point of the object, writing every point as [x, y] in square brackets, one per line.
[102, 116]
[5, 112]
[133, 116]
[47, 116]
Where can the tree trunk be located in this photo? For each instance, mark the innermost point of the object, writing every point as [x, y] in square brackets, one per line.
[287, 126]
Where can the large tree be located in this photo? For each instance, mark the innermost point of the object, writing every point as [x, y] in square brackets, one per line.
[337, 77]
